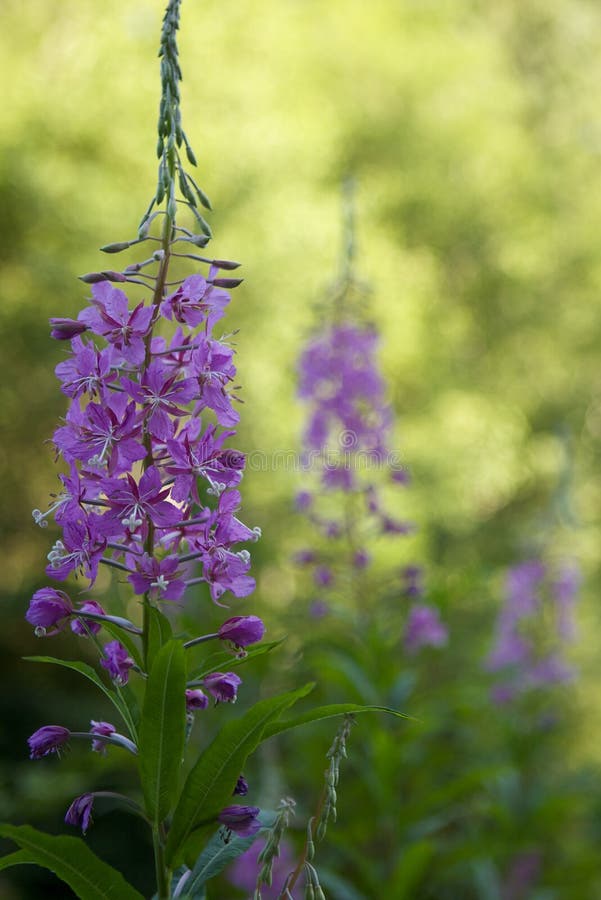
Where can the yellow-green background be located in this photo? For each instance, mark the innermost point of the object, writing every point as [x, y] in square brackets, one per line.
[474, 132]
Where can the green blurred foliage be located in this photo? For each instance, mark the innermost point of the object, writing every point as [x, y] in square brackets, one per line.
[472, 128]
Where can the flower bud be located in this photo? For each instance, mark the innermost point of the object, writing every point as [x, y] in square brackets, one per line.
[65, 329]
[80, 812]
[196, 699]
[226, 282]
[226, 264]
[49, 608]
[96, 277]
[116, 248]
[90, 626]
[48, 739]
[222, 686]
[242, 820]
[242, 630]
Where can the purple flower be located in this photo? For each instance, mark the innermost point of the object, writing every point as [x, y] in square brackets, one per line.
[412, 581]
[222, 686]
[195, 302]
[242, 820]
[338, 477]
[49, 608]
[361, 558]
[531, 663]
[79, 551]
[242, 631]
[132, 503]
[214, 370]
[319, 609]
[116, 662]
[161, 392]
[503, 693]
[196, 699]
[424, 628]
[511, 649]
[48, 739]
[101, 728]
[551, 669]
[304, 501]
[304, 557]
[158, 577]
[90, 626]
[102, 435]
[87, 371]
[110, 317]
[323, 576]
[80, 812]
[65, 329]
[241, 788]
[225, 571]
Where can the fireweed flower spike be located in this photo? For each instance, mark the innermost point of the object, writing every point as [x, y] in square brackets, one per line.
[150, 495]
[348, 450]
[149, 487]
[524, 655]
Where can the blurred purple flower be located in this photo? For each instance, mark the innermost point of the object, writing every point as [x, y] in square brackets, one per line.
[244, 871]
[424, 628]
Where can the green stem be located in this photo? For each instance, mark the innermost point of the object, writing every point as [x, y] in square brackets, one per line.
[162, 873]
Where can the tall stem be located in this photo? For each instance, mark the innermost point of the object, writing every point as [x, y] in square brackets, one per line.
[162, 873]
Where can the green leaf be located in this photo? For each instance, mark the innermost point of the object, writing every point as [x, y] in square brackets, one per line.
[159, 632]
[415, 861]
[72, 861]
[18, 858]
[210, 783]
[218, 854]
[162, 730]
[326, 712]
[216, 661]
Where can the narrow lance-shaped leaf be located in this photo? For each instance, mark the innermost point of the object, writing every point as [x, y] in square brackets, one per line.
[162, 730]
[326, 712]
[210, 784]
[216, 661]
[159, 632]
[72, 861]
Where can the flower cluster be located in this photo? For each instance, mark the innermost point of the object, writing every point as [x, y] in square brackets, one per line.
[348, 433]
[150, 488]
[347, 440]
[525, 654]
